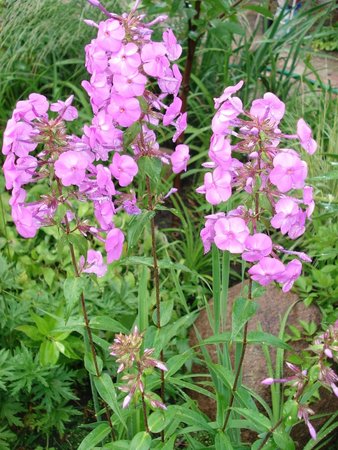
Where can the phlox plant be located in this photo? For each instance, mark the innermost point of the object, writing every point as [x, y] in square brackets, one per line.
[115, 165]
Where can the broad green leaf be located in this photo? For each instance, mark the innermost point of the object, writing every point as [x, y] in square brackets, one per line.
[283, 439]
[259, 422]
[243, 310]
[176, 362]
[222, 442]
[118, 445]
[260, 337]
[106, 323]
[141, 441]
[136, 226]
[151, 167]
[31, 331]
[259, 10]
[130, 134]
[158, 420]
[223, 374]
[106, 389]
[72, 289]
[79, 242]
[48, 275]
[89, 363]
[166, 309]
[95, 437]
[192, 418]
[48, 353]
[42, 323]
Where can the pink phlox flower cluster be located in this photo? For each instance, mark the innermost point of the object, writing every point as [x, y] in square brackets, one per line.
[127, 350]
[25, 164]
[124, 62]
[273, 176]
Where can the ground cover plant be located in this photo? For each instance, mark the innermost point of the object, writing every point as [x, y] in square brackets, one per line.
[98, 296]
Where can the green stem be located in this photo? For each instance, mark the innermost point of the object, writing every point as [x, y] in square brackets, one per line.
[156, 282]
[88, 339]
[239, 367]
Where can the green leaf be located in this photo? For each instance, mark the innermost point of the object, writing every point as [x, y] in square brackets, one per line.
[260, 337]
[177, 361]
[192, 418]
[130, 134]
[106, 389]
[222, 442]
[259, 10]
[141, 441]
[48, 353]
[42, 324]
[283, 439]
[243, 310]
[30, 331]
[258, 421]
[72, 289]
[166, 310]
[151, 167]
[106, 323]
[136, 226]
[95, 437]
[48, 275]
[158, 420]
[79, 242]
[89, 363]
[118, 445]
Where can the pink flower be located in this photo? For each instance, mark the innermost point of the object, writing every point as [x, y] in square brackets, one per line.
[172, 111]
[65, 110]
[71, 167]
[217, 186]
[171, 80]
[129, 85]
[110, 35]
[231, 234]
[305, 136]
[180, 158]
[125, 111]
[227, 93]
[226, 115]
[292, 271]
[123, 168]
[18, 138]
[24, 221]
[94, 263]
[256, 247]
[154, 60]
[220, 151]
[208, 232]
[289, 171]
[268, 108]
[180, 125]
[267, 270]
[126, 61]
[174, 49]
[36, 106]
[114, 244]
[104, 213]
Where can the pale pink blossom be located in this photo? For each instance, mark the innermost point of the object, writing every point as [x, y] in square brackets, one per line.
[231, 234]
[266, 270]
[256, 247]
[114, 244]
[217, 186]
[289, 171]
[305, 136]
[180, 157]
[123, 168]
